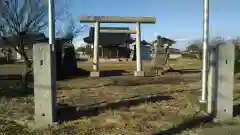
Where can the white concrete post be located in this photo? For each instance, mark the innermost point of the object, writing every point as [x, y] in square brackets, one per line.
[139, 71]
[223, 101]
[95, 72]
[44, 85]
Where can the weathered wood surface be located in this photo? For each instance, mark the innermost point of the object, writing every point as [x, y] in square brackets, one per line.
[117, 19]
[160, 60]
[117, 31]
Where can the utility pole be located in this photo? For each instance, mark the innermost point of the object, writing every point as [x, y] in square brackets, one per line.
[51, 30]
[205, 51]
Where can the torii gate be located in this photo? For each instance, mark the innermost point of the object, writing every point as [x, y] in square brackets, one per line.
[116, 19]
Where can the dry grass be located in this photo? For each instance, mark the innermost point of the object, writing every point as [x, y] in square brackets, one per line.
[168, 104]
[131, 65]
[117, 105]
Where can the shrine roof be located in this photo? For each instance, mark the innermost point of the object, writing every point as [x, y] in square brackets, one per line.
[167, 40]
[110, 38]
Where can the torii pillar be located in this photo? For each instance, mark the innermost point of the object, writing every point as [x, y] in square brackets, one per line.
[95, 72]
[139, 71]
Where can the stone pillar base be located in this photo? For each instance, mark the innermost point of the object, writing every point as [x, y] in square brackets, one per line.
[95, 74]
[139, 73]
[34, 126]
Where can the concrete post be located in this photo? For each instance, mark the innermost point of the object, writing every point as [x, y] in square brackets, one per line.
[223, 101]
[44, 84]
[95, 72]
[139, 71]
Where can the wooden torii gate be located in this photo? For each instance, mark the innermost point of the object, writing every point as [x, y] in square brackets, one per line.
[116, 19]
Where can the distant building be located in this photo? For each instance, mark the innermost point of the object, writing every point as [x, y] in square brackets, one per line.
[174, 53]
[28, 41]
[145, 51]
[112, 45]
[165, 42]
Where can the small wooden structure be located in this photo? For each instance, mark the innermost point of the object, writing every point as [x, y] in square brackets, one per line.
[112, 45]
[145, 51]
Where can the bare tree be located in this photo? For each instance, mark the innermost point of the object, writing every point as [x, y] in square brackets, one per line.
[19, 19]
[194, 46]
[71, 29]
[197, 45]
[236, 41]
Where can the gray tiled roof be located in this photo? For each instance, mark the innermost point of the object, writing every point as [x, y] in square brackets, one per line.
[110, 38]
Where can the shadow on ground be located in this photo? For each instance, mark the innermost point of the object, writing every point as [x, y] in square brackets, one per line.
[158, 80]
[68, 113]
[62, 75]
[194, 123]
[11, 77]
[13, 90]
[10, 86]
[84, 73]
[181, 71]
[190, 124]
[109, 73]
[5, 61]
[81, 59]
[185, 71]
[135, 81]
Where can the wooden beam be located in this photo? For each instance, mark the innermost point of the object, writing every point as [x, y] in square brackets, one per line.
[117, 19]
[117, 31]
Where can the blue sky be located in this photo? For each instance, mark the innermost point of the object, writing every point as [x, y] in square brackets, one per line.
[180, 20]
